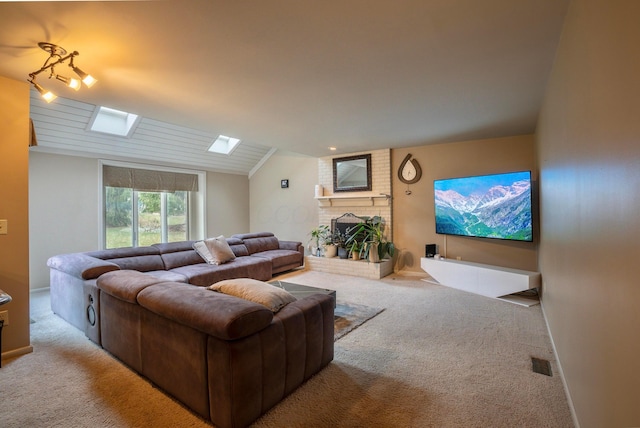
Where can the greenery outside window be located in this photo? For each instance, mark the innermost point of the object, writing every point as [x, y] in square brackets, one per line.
[144, 207]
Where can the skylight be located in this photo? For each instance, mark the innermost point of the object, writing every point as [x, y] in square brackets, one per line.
[224, 145]
[114, 122]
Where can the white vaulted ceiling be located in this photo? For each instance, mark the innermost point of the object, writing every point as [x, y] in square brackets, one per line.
[284, 74]
[62, 128]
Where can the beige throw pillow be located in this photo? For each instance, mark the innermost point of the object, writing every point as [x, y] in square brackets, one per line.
[265, 294]
[203, 251]
[214, 251]
[220, 251]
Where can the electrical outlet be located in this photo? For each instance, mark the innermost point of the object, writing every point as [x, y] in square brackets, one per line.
[4, 227]
[458, 258]
[4, 315]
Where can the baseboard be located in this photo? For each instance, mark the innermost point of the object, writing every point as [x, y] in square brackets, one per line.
[417, 274]
[17, 352]
[26, 349]
[572, 409]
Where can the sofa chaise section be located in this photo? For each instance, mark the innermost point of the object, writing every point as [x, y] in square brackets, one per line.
[283, 255]
[227, 359]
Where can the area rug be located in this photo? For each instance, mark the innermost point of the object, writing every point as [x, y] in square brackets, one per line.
[349, 316]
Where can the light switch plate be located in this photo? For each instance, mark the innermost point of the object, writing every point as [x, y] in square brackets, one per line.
[4, 227]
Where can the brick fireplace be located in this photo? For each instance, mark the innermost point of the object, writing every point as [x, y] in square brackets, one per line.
[377, 202]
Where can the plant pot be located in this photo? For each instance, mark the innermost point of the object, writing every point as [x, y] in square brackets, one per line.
[343, 253]
[373, 253]
[330, 250]
[355, 255]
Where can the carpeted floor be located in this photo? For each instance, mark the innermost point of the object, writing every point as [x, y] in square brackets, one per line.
[435, 357]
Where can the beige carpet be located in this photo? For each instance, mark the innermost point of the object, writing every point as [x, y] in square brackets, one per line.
[435, 357]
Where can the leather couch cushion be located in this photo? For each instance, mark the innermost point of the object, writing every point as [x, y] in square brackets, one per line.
[119, 253]
[237, 246]
[257, 242]
[140, 263]
[126, 284]
[204, 274]
[281, 258]
[142, 259]
[81, 265]
[168, 276]
[177, 254]
[219, 315]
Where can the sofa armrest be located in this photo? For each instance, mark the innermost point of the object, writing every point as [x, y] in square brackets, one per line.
[81, 265]
[291, 245]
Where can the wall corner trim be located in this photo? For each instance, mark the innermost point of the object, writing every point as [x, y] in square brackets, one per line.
[262, 161]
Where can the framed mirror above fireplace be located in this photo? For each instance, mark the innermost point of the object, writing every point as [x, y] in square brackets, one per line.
[352, 173]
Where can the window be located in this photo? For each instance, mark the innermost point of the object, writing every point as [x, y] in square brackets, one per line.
[224, 145]
[111, 121]
[144, 207]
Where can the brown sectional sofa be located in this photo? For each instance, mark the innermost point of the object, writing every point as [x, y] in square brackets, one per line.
[73, 276]
[228, 359]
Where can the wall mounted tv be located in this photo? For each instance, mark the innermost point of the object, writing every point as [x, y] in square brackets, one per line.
[489, 206]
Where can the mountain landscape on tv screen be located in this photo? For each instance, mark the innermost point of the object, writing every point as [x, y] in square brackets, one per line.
[502, 212]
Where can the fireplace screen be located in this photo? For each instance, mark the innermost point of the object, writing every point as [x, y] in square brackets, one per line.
[345, 222]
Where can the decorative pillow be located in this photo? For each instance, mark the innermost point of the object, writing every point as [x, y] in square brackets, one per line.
[220, 250]
[214, 251]
[268, 295]
[203, 251]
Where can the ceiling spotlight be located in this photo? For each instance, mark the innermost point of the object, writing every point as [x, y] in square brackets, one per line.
[87, 79]
[47, 95]
[70, 82]
[58, 55]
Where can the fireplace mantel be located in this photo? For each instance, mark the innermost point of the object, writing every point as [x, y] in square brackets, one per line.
[354, 201]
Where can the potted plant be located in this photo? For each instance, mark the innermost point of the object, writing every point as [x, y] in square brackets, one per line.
[354, 249]
[330, 246]
[370, 235]
[319, 235]
[340, 240]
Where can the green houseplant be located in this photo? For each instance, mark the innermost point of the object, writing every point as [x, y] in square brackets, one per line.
[354, 249]
[369, 235]
[321, 236]
[339, 240]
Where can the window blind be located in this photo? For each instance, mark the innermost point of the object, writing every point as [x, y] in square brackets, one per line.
[148, 180]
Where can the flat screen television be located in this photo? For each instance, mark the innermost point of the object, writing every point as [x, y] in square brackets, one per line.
[489, 206]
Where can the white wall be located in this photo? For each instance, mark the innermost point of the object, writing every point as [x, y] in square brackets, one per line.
[289, 213]
[589, 159]
[64, 210]
[227, 204]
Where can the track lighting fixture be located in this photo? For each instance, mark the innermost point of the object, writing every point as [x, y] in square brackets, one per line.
[58, 55]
